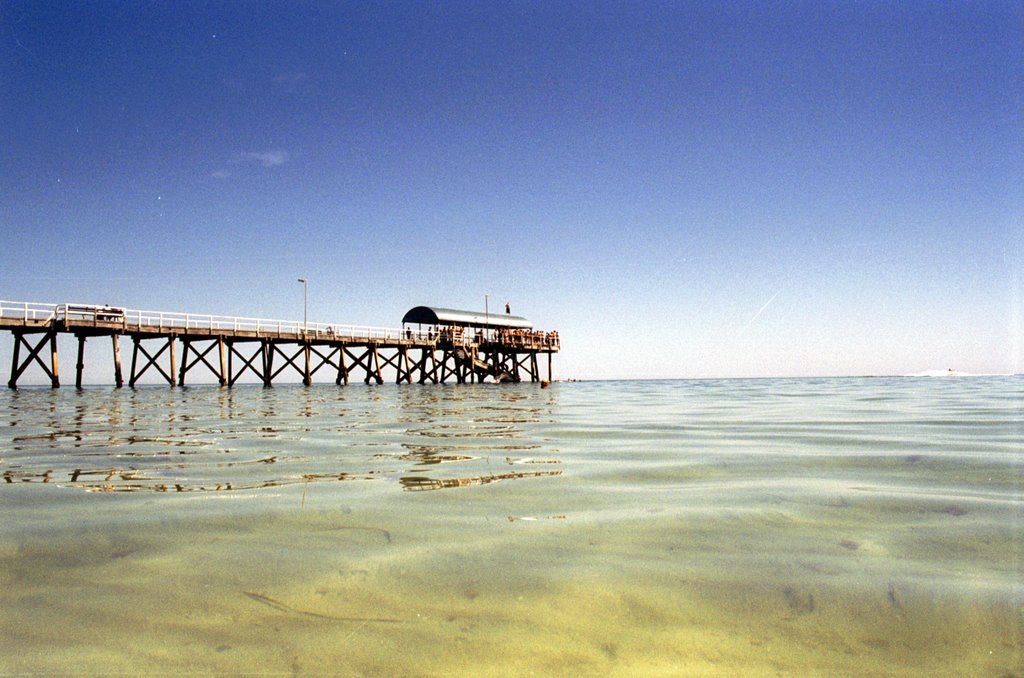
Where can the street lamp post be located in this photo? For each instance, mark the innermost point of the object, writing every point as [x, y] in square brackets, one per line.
[305, 306]
[487, 315]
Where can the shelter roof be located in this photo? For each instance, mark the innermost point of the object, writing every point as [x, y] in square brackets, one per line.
[432, 315]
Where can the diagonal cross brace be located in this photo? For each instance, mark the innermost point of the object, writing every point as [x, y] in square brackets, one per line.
[200, 357]
[17, 369]
[151, 360]
[369, 361]
[247, 364]
[275, 349]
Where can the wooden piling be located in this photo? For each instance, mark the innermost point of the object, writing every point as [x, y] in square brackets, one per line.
[185, 345]
[307, 378]
[13, 381]
[54, 374]
[268, 360]
[80, 366]
[118, 380]
[170, 344]
[342, 368]
[220, 346]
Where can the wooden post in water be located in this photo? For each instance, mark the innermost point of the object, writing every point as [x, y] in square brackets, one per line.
[81, 361]
[54, 375]
[404, 369]
[135, 360]
[13, 381]
[268, 361]
[118, 380]
[223, 374]
[342, 368]
[170, 344]
[307, 378]
[185, 344]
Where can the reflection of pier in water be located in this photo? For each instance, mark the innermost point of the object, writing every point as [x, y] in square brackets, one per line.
[253, 439]
[419, 483]
[132, 480]
[135, 480]
[188, 463]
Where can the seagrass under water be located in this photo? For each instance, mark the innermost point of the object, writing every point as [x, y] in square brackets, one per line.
[804, 526]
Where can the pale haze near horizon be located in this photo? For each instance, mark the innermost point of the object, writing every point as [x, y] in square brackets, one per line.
[749, 189]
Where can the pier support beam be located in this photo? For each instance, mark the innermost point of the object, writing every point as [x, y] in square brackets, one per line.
[151, 360]
[223, 373]
[457, 363]
[369, 361]
[447, 370]
[200, 357]
[305, 368]
[118, 379]
[426, 355]
[342, 367]
[18, 367]
[323, 360]
[80, 366]
[527, 363]
[262, 371]
[400, 361]
[307, 376]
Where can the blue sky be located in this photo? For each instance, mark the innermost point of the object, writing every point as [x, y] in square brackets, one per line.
[682, 189]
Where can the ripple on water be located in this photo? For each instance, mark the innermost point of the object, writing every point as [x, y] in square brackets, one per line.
[722, 526]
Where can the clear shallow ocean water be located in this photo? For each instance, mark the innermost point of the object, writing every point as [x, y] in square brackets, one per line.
[758, 527]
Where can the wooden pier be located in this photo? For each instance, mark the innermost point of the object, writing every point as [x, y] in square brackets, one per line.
[445, 346]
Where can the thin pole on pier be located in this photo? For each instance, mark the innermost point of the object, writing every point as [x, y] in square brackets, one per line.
[305, 305]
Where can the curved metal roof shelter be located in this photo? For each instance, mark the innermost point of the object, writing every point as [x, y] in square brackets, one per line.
[431, 315]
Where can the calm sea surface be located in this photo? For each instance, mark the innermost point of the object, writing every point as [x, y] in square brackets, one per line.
[808, 527]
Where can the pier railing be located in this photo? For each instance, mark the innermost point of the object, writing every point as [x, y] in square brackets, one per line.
[133, 319]
[28, 311]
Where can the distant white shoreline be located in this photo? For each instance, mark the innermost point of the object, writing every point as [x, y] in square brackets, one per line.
[954, 373]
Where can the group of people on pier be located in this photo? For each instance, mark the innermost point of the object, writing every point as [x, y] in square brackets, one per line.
[528, 339]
